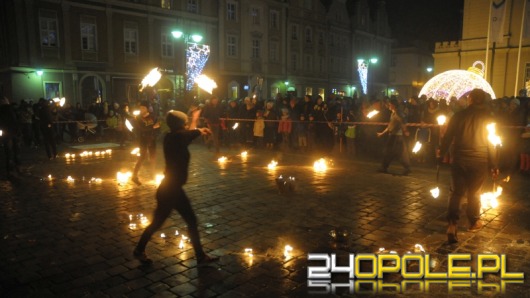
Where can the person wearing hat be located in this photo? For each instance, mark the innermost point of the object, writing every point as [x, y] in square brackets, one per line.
[145, 126]
[395, 146]
[473, 154]
[170, 194]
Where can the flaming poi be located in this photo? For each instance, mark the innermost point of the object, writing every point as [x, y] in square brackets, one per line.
[205, 83]
[320, 165]
[489, 199]
[417, 147]
[372, 113]
[151, 79]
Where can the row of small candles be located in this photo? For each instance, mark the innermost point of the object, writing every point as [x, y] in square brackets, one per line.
[70, 179]
[107, 152]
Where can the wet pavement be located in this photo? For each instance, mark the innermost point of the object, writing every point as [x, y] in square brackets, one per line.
[75, 238]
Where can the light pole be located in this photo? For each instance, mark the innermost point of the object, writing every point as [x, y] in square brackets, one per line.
[195, 57]
[362, 68]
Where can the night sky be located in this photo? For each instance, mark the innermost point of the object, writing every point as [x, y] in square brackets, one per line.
[427, 20]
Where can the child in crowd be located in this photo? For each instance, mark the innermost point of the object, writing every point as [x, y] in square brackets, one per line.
[284, 128]
[301, 130]
[259, 126]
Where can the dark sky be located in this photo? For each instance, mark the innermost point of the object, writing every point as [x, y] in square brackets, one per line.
[427, 20]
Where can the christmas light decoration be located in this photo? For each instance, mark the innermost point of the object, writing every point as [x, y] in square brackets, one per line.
[362, 68]
[196, 57]
[457, 83]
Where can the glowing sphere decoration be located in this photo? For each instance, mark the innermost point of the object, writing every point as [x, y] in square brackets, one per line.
[457, 83]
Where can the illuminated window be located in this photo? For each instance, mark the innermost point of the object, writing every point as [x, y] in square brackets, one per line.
[231, 45]
[130, 38]
[255, 15]
[193, 6]
[308, 91]
[274, 17]
[165, 4]
[256, 48]
[48, 29]
[88, 34]
[167, 45]
[231, 11]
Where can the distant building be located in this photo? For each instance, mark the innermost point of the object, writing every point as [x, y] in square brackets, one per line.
[501, 70]
[410, 68]
[96, 50]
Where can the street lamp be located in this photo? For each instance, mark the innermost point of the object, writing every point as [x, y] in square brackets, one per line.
[196, 56]
[362, 68]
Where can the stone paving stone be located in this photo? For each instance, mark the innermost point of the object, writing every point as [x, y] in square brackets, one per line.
[62, 239]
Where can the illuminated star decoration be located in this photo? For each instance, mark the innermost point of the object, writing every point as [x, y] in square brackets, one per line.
[362, 68]
[457, 83]
[196, 57]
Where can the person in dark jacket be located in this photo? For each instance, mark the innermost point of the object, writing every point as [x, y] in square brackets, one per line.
[46, 128]
[146, 127]
[170, 194]
[473, 155]
[9, 131]
[213, 112]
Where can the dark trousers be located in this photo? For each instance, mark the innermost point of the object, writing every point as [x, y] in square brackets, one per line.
[11, 153]
[147, 149]
[395, 148]
[466, 177]
[49, 141]
[169, 197]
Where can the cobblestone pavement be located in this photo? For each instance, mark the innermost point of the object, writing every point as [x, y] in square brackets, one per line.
[75, 239]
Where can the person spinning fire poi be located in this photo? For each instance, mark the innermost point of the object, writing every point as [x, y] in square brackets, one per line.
[473, 155]
[146, 126]
[170, 194]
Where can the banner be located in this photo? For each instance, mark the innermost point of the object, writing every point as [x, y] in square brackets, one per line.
[498, 11]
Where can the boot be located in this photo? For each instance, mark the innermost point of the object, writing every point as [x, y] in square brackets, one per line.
[452, 233]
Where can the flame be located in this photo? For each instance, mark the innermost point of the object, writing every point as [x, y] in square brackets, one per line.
[50, 177]
[244, 154]
[507, 179]
[136, 151]
[129, 125]
[70, 179]
[1, 132]
[67, 155]
[372, 113]
[109, 151]
[123, 177]
[417, 147]
[222, 159]
[136, 112]
[441, 119]
[236, 125]
[205, 83]
[320, 165]
[435, 192]
[492, 135]
[181, 244]
[95, 180]
[489, 199]
[143, 220]
[287, 251]
[159, 178]
[418, 248]
[163, 235]
[151, 78]
[272, 165]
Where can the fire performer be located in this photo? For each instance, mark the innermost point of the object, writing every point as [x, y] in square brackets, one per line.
[146, 126]
[473, 154]
[170, 193]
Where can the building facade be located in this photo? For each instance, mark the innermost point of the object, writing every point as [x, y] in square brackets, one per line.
[507, 69]
[99, 50]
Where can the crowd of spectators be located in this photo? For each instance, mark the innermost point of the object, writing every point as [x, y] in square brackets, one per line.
[308, 125]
